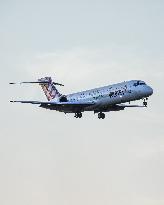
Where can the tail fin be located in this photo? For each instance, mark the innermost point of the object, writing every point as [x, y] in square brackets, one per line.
[49, 88]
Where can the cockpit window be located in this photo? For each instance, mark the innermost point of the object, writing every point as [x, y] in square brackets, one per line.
[139, 83]
[142, 83]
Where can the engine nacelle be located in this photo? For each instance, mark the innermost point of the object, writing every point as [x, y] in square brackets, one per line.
[63, 98]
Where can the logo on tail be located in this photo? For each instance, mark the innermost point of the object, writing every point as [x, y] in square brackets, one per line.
[49, 88]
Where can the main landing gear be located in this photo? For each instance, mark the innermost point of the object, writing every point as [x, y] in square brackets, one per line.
[101, 115]
[145, 102]
[78, 115]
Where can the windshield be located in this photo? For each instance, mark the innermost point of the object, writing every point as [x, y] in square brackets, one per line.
[139, 83]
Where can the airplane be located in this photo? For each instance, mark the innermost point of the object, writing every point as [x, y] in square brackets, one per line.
[99, 100]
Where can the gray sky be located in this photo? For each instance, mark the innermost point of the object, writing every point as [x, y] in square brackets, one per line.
[49, 158]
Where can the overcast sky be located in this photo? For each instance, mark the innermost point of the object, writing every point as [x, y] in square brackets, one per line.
[50, 158]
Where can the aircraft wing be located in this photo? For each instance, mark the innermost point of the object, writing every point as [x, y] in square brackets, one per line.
[123, 105]
[81, 104]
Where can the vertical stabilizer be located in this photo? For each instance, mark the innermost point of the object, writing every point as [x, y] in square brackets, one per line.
[49, 88]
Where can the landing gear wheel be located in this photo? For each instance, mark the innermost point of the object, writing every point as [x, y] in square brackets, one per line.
[78, 115]
[101, 115]
[145, 103]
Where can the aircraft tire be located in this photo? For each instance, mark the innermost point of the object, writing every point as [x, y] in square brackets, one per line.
[78, 115]
[145, 103]
[101, 115]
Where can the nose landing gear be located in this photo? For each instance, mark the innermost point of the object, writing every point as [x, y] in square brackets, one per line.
[101, 115]
[145, 102]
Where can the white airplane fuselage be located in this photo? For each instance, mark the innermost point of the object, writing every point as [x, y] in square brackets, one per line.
[99, 100]
[105, 97]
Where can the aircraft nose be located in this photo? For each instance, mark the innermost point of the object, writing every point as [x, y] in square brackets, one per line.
[149, 90]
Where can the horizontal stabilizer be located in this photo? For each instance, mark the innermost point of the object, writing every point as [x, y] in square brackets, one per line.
[31, 102]
[32, 82]
[36, 82]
